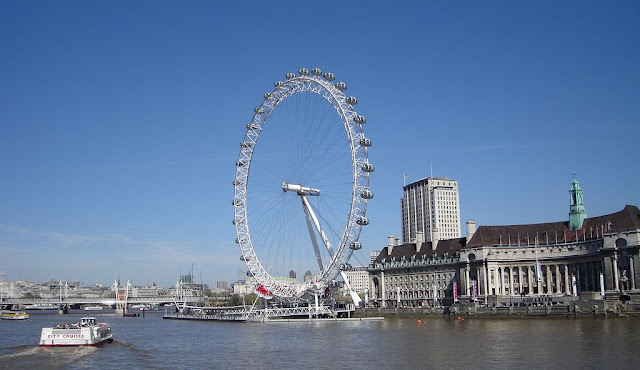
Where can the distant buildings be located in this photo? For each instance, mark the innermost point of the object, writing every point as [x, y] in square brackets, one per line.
[221, 285]
[593, 258]
[308, 276]
[373, 256]
[249, 285]
[358, 279]
[430, 210]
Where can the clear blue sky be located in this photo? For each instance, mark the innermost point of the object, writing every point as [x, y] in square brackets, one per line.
[121, 121]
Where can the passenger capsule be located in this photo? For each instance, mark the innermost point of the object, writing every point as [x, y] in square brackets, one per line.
[236, 202]
[329, 76]
[316, 71]
[366, 194]
[355, 246]
[362, 221]
[303, 72]
[359, 119]
[367, 167]
[290, 75]
[252, 126]
[278, 83]
[258, 110]
[249, 274]
[267, 95]
[341, 86]
[351, 100]
[243, 258]
[364, 141]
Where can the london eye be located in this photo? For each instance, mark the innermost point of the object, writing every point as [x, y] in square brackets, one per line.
[301, 185]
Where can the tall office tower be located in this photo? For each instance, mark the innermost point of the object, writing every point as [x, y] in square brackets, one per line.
[373, 256]
[431, 206]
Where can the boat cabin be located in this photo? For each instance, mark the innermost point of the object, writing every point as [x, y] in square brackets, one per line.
[87, 321]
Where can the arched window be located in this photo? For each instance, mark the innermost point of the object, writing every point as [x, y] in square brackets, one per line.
[621, 242]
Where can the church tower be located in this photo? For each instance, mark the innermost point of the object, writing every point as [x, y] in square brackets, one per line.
[577, 212]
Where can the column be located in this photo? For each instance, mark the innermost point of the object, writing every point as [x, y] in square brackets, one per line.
[530, 279]
[520, 279]
[558, 279]
[510, 280]
[539, 281]
[466, 280]
[383, 290]
[549, 279]
[616, 279]
[632, 278]
[566, 280]
[486, 279]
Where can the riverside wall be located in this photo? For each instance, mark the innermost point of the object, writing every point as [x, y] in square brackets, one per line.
[572, 310]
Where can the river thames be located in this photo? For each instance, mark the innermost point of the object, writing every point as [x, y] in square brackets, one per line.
[397, 343]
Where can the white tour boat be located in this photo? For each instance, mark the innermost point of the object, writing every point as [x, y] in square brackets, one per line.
[85, 333]
[41, 307]
[93, 308]
[140, 307]
[14, 316]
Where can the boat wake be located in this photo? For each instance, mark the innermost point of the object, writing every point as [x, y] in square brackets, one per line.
[21, 352]
[34, 357]
[124, 344]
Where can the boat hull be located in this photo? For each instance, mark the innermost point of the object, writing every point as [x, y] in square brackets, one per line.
[14, 316]
[85, 333]
[109, 340]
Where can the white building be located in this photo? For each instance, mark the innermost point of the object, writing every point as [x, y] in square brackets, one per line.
[249, 285]
[358, 278]
[430, 210]
[373, 256]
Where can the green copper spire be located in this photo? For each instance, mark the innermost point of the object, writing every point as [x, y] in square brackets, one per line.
[577, 212]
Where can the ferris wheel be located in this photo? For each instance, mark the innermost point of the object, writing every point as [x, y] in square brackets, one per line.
[302, 185]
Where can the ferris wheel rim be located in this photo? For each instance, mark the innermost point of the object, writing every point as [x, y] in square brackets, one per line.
[352, 122]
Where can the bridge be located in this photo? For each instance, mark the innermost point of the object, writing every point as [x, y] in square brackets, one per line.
[184, 295]
[10, 302]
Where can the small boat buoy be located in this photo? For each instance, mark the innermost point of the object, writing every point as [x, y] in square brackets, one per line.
[419, 322]
[459, 318]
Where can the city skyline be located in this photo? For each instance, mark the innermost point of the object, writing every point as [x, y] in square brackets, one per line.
[122, 122]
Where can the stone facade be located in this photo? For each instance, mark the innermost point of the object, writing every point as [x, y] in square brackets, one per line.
[515, 263]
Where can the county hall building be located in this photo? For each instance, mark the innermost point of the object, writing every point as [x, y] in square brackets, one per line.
[590, 257]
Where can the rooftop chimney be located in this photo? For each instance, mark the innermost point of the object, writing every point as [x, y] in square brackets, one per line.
[389, 244]
[436, 238]
[471, 229]
[419, 240]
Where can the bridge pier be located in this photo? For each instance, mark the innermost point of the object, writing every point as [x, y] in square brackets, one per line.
[63, 309]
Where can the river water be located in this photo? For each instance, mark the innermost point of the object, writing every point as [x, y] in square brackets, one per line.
[396, 343]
